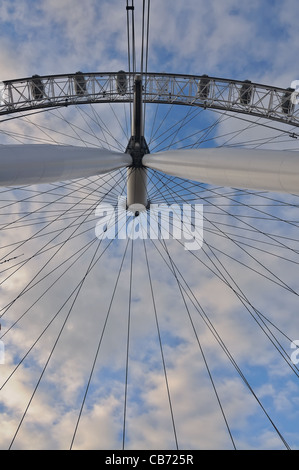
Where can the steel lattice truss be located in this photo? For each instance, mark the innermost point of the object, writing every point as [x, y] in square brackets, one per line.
[217, 93]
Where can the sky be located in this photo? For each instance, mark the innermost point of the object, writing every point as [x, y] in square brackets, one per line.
[199, 368]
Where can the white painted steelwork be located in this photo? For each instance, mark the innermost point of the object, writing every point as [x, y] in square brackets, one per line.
[268, 170]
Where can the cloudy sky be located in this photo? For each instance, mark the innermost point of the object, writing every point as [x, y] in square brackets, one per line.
[104, 345]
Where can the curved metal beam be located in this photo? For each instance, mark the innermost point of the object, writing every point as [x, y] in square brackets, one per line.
[39, 92]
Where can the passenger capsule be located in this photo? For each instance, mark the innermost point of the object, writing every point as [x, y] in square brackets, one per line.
[287, 104]
[37, 87]
[80, 84]
[121, 82]
[204, 87]
[246, 92]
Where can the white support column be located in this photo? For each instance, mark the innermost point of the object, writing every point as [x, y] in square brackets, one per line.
[136, 189]
[137, 175]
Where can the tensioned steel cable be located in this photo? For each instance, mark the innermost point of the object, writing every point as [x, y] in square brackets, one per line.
[145, 39]
[99, 344]
[243, 298]
[161, 348]
[173, 270]
[131, 44]
[253, 393]
[31, 286]
[239, 203]
[131, 35]
[207, 321]
[238, 218]
[60, 212]
[40, 270]
[145, 36]
[60, 309]
[128, 343]
[278, 280]
[54, 346]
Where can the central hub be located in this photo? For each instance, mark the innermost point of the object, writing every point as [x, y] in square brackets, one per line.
[137, 148]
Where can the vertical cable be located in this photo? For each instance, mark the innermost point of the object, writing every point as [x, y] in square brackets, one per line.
[142, 38]
[161, 348]
[128, 36]
[131, 44]
[146, 54]
[128, 343]
[133, 38]
[99, 345]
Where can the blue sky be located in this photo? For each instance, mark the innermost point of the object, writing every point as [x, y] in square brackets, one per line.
[255, 40]
[222, 39]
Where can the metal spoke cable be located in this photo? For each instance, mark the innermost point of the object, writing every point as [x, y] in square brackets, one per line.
[62, 199]
[74, 193]
[200, 347]
[128, 343]
[83, 250]
[278, 280]
[99, 346]
[121, 146]
[43, 249]
[161, 123]
[161, 347]
[225, 349]
[49, 242]
[106, 132]
[174, 129]
[145, 48]
[254, 247]
[59, 310]
[131, 42]
[262, 325]
[173, 270]
[54, 346]
[25, 289]
[61, 211]
[131, 35]
[32, 196]
[88, 120]
[262, 407]
[265, 125]
[202, 133]
[224, 234]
